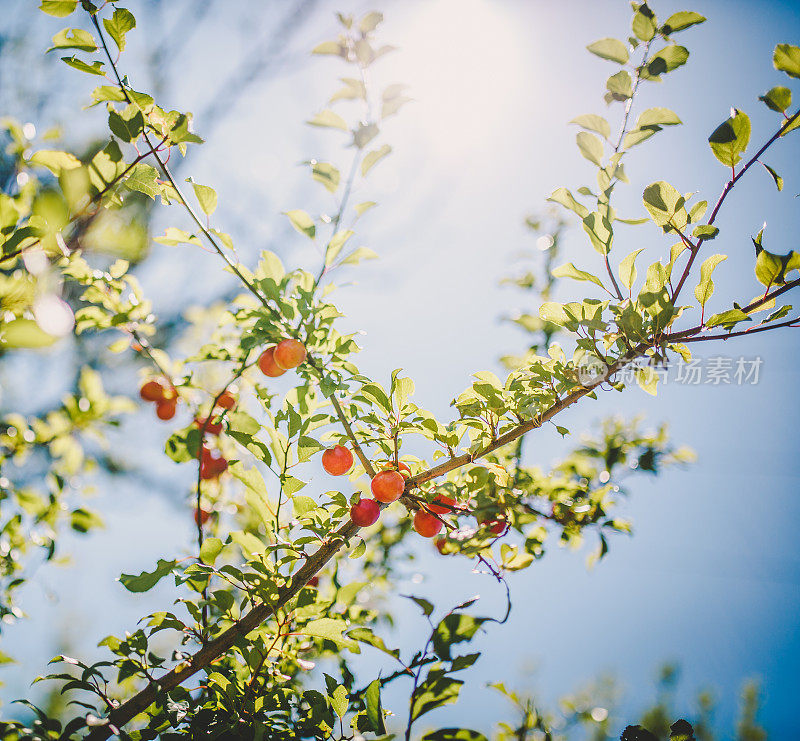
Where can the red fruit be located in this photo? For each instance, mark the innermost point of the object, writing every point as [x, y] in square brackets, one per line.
[442, 505]
[365, 512]
[426, 524]
[201, 516]
[401, 467]
[313, 581]
[165, 409]
[152, 391]
[226, 400]
[496, 525]
[212, 464]
[337, 460]
[440, 545]
[387, 486]
[289, 354]
[266, 361]
[212, 428]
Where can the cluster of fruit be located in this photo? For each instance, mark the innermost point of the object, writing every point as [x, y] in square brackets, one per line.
[287, 354]
[388, 486]
[164, 395]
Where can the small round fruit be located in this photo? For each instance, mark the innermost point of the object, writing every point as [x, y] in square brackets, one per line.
[337, 460]
[401, 467]
[152, 391]
[165, 409]
[441, 544]
[443, 505]
[226, 400]
[212, 428]
[388, 486]
[426, 524]
[289, 354]
[212, 464]
[365, 512]
[267, 364]
[201, 516]
[313, 581]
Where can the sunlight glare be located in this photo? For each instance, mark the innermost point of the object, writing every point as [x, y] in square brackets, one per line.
[463, 62]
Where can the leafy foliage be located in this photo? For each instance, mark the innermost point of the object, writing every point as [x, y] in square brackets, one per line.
[265, 600]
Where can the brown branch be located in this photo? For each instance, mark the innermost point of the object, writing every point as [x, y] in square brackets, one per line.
[93, 200]
[765, 299]
[727, 189]
[742, 333]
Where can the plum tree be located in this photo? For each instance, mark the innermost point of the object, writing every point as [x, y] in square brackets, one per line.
[247, 610]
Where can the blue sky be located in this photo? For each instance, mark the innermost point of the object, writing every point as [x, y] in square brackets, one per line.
[710, 578]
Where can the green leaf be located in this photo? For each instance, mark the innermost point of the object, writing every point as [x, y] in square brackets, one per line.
[771, 269]
[730, 139]
[372, 698]
[339, 701]
[361, 208]
[329, 629]
[327, 174]
[173, 237]
[329, 47]
[302, 222]
[643, 24]
[328, 118]
[54, 160]
[620, 86]
[705, 288]
[79, 39]
[777, 98]
[657, 117]
[435, 691]
[600, 232]
[370, 22]
[570, 271]
[95, 68]
[206, 197]
[647, 378]
[142, 178]
[372, 158]
[705, 231]
[566, 199]
[82, 520]
[118, 25]
[593, 122]
[359, 254]
[454, 734]
[210, 550]
[681, 20]
[612, 49]
[24, 333]
[427, 607]
[728, 319]
[454, 628]
[662, 201]
[787, 59]
[335, 245]
[126, 125]
[669, 58]
[777, 178]
[147, 580]
[590, 147]
[627, 269]
[58, 8]
[302, 505]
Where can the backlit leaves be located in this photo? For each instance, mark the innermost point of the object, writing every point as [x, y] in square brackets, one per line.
[730, 139]
[787, 59]
[612, 49]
